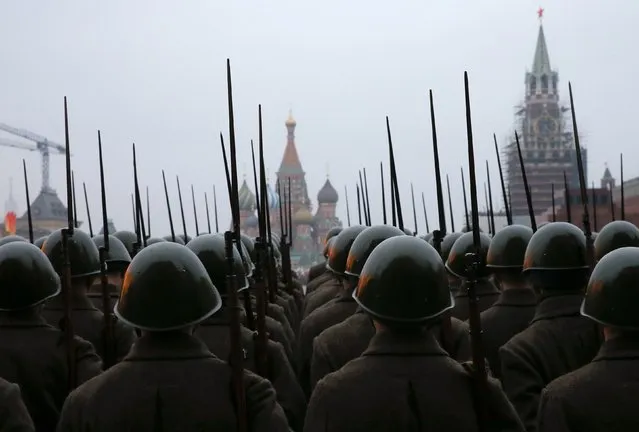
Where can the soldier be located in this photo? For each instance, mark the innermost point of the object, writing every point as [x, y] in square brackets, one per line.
[334, 286]
[347, 263]
[312, 286]
[404, 380]
[11, 239]
[320, 267]
[558, 339]
[117, 260]
[456, 265]
[603, 395]
[615, 235]
[169, 381]
[88, 321]
[33, 354]
[129, 240]
[214, 331]
[14, 416]
[515, 307]
[40, 241]
[454, 283]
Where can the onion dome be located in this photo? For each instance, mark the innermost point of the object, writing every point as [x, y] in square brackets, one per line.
[327, 194]
[303, 217]
[251, 221]
[273, 197]
[246, 197]
[290, 121]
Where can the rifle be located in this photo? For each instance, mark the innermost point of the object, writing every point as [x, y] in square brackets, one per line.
[148, 213]
[108, 336]
[412, 195]
[582, 184]
[86, 202]
[75, 208]
[531, 212]
[490, 227]
[26, 189]
[394, 185]
[490, 199]
[552, 192]
[361, 189]
[217, 226]
[181, 208]
[66, 276]
[446, 334]
[368, 202]
[359, 204]
[450, 206]
[236, 355]
[623, 201]
[141, 232]
[381, 175]
[509, 215]
[480, 373]
[168, 207]
[465, 202]
[425, 214]
[567, 199]
[208, 217]
[197, 227]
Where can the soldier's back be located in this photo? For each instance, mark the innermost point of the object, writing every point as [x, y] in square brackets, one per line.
[327, 291]
[88, 323]
[171, 384]
[510, 314]
[214, 332]
[601, 396]
[316, 271]
[324, 317]
[402, 384]
[311, 286]
[33, 355]
[558, 341]
[487, 295]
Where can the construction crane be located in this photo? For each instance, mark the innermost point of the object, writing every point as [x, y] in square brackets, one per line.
[42, 145]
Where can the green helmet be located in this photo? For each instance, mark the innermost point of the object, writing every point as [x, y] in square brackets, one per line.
[332, 233]
[166, 287]
[210, 249]
[40, 241]
[11, 239]
[612, 296]
[117, 258]
[556, 246]
[27, 277]
[427, 237]
[129, 240]
[364, 245]
[457, 263]
[249, 244]
[447, 244]
[327, 246]
[615, 235]
[556, 257]
[83, 253]
[404, 281]
[507, 249]
[178, 239]
[185, 239]
[338, 252]
[154, 240]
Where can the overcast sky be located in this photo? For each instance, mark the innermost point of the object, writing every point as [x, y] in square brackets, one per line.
[153, 72]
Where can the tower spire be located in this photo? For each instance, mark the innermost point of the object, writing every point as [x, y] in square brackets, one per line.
[541, 62]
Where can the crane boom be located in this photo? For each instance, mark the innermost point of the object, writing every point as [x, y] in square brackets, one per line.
[43, 145]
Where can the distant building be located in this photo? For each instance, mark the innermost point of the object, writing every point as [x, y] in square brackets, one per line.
[308, 228]
[546, 140]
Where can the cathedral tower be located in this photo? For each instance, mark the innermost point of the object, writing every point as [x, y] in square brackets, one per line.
[546, 142]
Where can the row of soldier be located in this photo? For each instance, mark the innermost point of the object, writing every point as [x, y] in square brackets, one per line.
[378, 342]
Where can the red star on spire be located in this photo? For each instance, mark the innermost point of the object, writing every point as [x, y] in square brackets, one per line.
[540, 13]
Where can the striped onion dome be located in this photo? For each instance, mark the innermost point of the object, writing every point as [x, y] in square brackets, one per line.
[273, 197]
[246, 197]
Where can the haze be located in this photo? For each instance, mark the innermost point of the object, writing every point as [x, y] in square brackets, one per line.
[153, 73]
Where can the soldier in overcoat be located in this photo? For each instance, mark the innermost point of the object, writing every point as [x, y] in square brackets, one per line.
[404, 380]
[169, 380]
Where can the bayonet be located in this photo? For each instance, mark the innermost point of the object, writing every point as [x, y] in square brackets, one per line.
[425, 214]
[26, 189]
[567, 199]
[621, 188]
[465, 202]
[359, 205]
[393, 169]
[181, 208]
[450, 206]
[75, 207]
[368, 201]
[381, 173]
[168, 207]
[531, 212]
[348, 211]
[552, 192]
[86, 202]
[490, 200]
[197, 227]
[412, 195]
[208, 216]
[509, 215]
